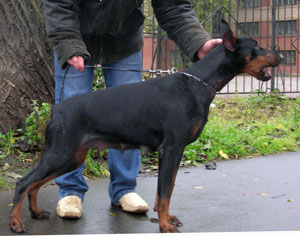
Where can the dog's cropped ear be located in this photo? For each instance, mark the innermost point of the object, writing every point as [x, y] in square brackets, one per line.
[229, 39]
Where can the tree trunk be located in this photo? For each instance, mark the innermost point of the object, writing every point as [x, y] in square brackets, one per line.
[25, 61]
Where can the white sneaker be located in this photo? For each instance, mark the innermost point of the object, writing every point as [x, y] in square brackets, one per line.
[69, 207]
[132, 202]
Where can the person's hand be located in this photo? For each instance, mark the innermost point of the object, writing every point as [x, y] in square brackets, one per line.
[77, 62]
[207, 47]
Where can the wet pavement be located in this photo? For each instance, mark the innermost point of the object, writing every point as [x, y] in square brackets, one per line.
[259, 194]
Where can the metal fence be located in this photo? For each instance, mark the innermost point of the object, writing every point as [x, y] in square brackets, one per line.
[273, 23]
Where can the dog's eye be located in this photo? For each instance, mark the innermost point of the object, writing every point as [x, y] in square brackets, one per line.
[255, 52]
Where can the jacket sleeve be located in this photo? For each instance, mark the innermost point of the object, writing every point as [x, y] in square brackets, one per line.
[179, 20]
[63, 29]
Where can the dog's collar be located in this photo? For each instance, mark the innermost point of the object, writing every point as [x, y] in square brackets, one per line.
[199, 80]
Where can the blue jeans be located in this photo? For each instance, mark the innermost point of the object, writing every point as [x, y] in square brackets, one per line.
[123, 167]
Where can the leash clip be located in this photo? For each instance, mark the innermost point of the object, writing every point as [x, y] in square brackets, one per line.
[174, 70]
[160, 72]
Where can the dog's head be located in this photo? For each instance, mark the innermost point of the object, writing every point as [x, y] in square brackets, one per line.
[254, 59]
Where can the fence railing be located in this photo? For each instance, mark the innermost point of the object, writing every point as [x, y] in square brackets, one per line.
[273, 23]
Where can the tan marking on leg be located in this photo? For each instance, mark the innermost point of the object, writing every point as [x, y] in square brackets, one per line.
[156, 202]
[173, 219]
[15, 220]
[163, 216]
[33, 198]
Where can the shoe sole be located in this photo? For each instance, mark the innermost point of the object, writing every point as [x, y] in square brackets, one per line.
[69, 215]
[140, 210]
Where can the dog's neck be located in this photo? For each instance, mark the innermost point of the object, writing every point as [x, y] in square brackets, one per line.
[216, 68]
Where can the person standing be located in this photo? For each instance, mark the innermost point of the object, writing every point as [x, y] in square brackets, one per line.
[110, 33]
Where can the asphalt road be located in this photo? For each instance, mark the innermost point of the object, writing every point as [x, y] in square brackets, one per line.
[259, 194]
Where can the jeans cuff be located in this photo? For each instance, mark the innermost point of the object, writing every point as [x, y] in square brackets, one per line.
[71, 193]
[121, 194]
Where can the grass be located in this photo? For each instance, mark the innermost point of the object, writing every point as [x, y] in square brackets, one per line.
[237, 128]
[245, 127]
[7, 143]
[36, 123]
[94, 169]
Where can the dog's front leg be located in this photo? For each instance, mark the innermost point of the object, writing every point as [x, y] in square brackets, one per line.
[169, 159]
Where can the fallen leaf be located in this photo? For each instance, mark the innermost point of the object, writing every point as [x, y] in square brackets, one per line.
[224, 155]
[112, 214]
[106, 173]
[266, 195]
[211, 166]
[198, 187]
[280, 127]
[14, 175]
[290, 200]
[245, 194]
[5, 167]
[154, 220]
[10, 204]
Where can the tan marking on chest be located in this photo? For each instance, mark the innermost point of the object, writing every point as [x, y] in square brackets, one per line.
[196, 129]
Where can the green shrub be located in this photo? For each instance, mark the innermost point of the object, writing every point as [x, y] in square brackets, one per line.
[7, 143]
[36, 124]
[99, 82]
[93, 168]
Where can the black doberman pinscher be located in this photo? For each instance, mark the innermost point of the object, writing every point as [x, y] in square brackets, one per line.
[162, 114]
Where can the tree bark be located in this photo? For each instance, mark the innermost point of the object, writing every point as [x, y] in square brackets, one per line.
[26, 65]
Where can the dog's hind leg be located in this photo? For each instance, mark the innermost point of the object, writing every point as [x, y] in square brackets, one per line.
[37, 213]
[169, 159]
[26, 184]
[77, 158]
[47, 169]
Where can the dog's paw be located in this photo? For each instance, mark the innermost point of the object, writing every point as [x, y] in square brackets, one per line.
[17, 226]
[40, 214]
[174, 221]
[168, 228]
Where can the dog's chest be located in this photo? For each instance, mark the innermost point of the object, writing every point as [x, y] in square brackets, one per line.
[196, 129]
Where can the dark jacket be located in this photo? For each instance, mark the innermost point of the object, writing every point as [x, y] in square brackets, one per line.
[109, 30]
